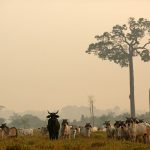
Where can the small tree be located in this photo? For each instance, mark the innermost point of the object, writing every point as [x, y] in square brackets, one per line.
[122, 44]
[2, 120]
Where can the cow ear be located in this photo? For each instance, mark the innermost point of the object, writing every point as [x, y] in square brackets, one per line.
[48, 116]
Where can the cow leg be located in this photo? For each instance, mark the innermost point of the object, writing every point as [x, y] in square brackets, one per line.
[57, 135]
[50, 136]
[145, 138]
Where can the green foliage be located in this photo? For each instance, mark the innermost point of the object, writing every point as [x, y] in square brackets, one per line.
[26, 121]
[123, 42]
[2, 120]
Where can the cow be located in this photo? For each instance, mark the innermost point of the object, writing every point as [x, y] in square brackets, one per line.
[73, 131]
[25, 132]
[121, 130]
[138, 129]
[94, 129]
[65, 130]
[8, 132]
[86, 130]
[110, 130]
[53, 125]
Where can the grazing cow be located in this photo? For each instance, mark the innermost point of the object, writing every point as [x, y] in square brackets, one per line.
[53, 125]
[65, 130]
[86, 130]
[25, 132]
[110, 130]
[8, 132]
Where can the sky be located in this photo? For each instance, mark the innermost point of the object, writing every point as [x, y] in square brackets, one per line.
[43, 64]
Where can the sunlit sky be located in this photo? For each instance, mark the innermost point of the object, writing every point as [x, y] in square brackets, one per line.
[43, 64]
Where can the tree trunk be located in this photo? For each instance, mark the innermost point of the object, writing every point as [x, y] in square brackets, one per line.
[131, 73]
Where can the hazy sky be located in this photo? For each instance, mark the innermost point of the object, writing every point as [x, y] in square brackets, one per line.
[43, 64]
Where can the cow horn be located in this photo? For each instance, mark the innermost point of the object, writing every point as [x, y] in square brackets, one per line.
[48, 112]
[56, 112]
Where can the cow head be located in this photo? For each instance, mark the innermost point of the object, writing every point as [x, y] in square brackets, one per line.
[88, 126]
[141, 120]
[64, 122]
[117, 124]
[130, 121]
[107, 124]
[3, 125]
[53, 115]
[122, 124]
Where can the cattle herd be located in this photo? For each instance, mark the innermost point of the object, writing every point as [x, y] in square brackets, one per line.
[54, 129]
[65, 131]
[132, 129]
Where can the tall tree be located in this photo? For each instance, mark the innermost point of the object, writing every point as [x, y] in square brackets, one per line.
[122, 44]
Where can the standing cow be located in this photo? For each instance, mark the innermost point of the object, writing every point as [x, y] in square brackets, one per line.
[86, 130]
[53, 125]
[65, 130]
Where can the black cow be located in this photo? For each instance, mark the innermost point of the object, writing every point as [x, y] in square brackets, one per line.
[53, 125]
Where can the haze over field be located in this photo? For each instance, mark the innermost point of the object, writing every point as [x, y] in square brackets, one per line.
[43, 61]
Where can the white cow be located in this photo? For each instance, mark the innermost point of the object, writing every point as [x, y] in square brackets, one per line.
[25, 132]
[110, 130]
[73, 132]
[86, 130]
[65, 130]
[94, 129]
[137, 130]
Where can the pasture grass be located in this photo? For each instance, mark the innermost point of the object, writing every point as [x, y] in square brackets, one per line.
[98, 141]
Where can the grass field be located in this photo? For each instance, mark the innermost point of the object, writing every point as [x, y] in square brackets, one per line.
[98, 141]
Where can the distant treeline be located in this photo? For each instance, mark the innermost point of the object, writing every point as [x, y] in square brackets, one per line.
[30, 121]
[99, 120]
[25, 121]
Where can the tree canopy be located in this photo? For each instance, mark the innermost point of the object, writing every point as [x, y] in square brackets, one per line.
[123, 39]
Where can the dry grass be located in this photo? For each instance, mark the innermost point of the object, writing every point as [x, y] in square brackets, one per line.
[97, 141]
